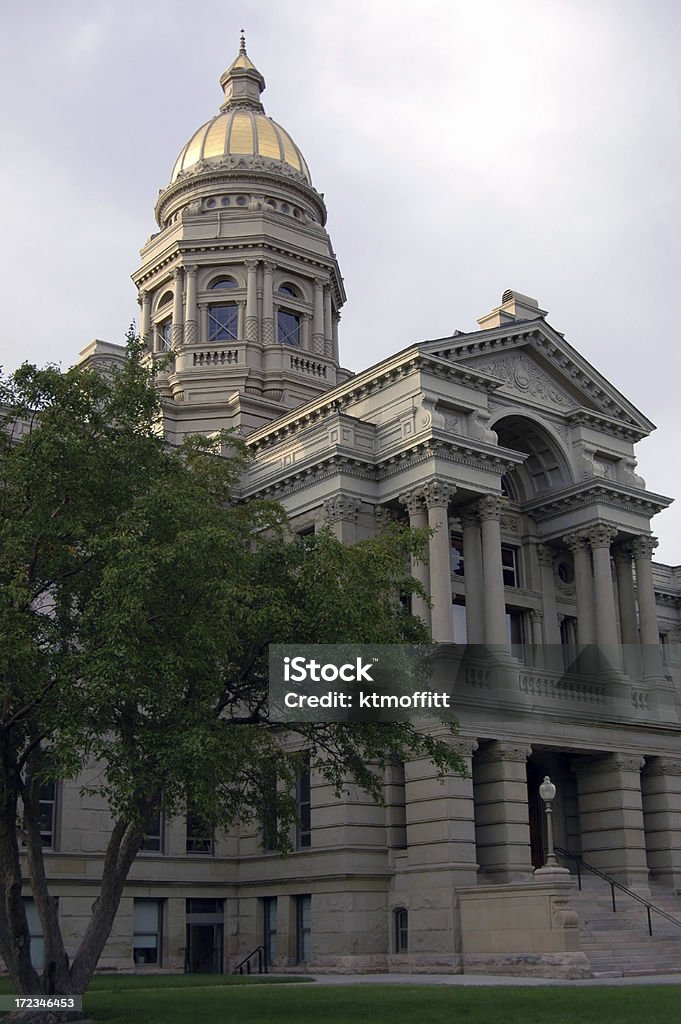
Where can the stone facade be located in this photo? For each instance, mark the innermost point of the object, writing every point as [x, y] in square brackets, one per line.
[519, 456]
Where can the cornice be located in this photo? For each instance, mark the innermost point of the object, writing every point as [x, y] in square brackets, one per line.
[213, 172]
[610, 494]
[367, 383]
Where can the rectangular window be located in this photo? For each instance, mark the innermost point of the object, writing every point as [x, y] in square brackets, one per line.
[153, 837]
[269, 928]
[48, 814]
[199, 834]
[401, 931]
[509, 566]
[35, 931]
[304, 828]
[515, 633]
[303, 928]
[147, 932]
[568, 639]
[223, 322]
[288, 328]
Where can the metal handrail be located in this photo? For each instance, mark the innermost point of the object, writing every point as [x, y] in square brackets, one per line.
[614, 884]
[245, 966]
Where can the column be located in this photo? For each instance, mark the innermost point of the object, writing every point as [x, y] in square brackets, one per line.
[145, 318]
[611, 816]
[328, 340]
[305, 324]
[268, 326]
[579, 546]
[472, 568]
[626, 598]
[489, 512]
[191, 325]
[178, 319]
[415, 503]
[661, 793]
[440, 818]
[318, 317]
[437, 494]
[643, 548]
[607, 636]
[502, 823]
[251, 300]
[241, 319]
[334, 338]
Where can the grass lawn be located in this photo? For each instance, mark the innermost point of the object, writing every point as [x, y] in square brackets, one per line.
[192, 999]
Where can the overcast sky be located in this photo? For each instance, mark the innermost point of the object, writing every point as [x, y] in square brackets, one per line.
[463, 148]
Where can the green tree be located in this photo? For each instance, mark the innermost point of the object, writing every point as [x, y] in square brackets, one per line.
[139, 595]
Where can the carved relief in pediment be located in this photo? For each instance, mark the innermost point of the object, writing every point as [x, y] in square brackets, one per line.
[523, 377]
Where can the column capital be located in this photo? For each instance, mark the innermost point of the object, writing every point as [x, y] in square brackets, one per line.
[607, 763]
[142, 296]
[319, 283]
[545, 555]
[341, 506]
[503, 751]
[662, 766]
[465, 746]
[437, 493]
[413, 500]
[192, 270]
[490, 506]
[600, 535]
[251, 265]
[468, 516]
[177, 273]
[383, 515]
[644, 546]
[268, 266]
[536, 615]
[575, 541]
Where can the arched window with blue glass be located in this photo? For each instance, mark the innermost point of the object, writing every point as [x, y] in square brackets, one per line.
[223, 322]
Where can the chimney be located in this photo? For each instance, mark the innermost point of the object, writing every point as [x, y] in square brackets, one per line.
[514, 306]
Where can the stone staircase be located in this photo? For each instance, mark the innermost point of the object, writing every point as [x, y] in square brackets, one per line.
[618, 944]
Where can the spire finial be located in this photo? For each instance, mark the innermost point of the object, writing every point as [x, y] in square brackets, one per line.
[242, 42]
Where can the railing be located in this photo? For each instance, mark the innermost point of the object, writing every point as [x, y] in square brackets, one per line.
[245, 966]
[581, 864]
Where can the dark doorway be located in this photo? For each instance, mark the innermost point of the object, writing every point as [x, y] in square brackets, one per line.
[205, 936]
[536, 815]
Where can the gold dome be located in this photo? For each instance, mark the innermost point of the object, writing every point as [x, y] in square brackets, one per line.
[242, 128]
[241, 132]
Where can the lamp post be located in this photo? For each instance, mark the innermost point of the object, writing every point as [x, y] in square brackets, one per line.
[547, 791]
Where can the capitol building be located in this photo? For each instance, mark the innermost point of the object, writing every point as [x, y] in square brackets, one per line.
[520, 458]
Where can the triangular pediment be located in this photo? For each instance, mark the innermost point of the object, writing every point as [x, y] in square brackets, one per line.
[538, 366]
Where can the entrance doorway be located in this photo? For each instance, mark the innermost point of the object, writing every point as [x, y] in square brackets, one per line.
[205, 936]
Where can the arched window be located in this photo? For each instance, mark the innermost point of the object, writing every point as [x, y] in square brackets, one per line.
[401, 918]
[223, 322]
[288, 328]
[165, 298]
[223, 282]
[289, 289]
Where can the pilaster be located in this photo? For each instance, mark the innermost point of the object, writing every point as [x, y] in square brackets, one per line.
[661, 794]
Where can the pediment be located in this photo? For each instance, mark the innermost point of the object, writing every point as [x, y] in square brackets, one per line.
[539, 367]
